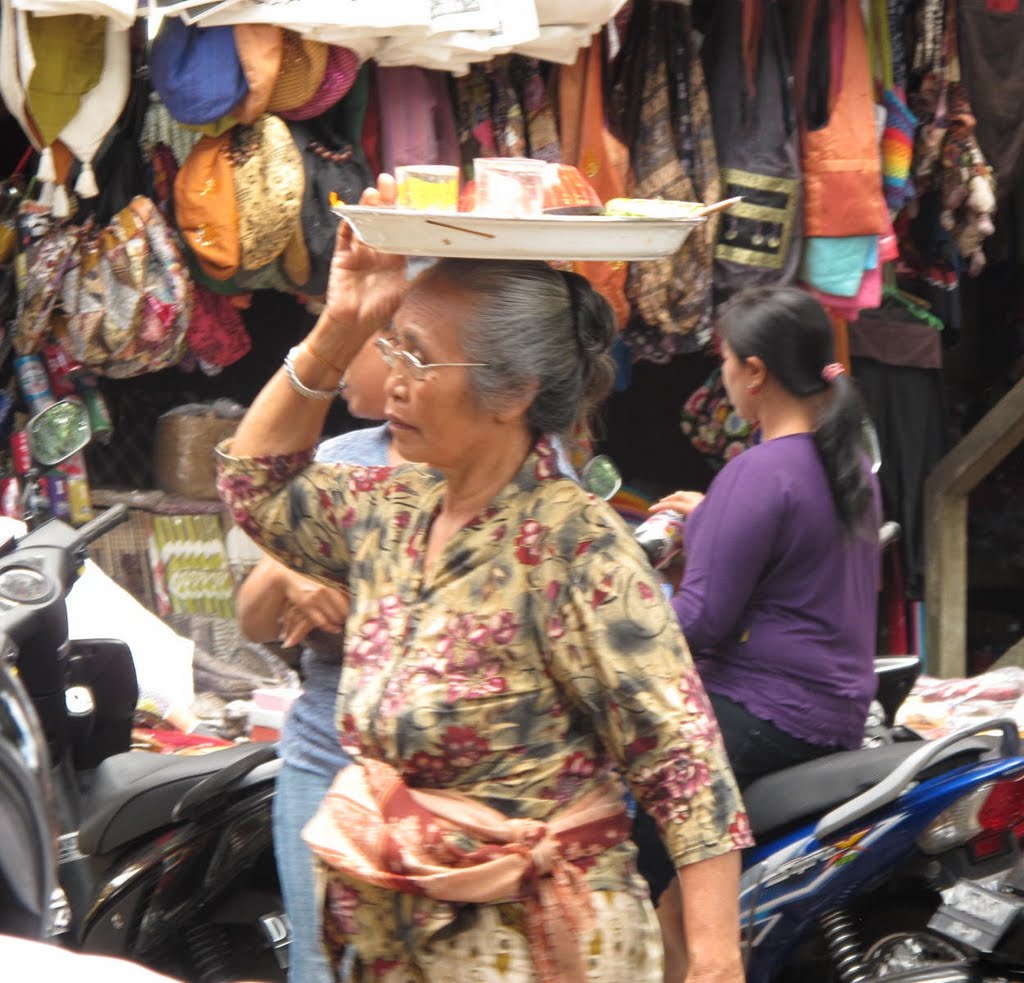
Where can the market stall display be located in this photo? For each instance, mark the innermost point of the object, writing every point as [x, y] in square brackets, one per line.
[183, 158]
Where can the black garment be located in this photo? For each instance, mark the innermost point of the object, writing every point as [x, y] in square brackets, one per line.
[758, 153]
[908, 408]
[992, 60]
[755, 748]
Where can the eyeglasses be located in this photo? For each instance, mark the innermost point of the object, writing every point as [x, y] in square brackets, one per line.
[393, 355]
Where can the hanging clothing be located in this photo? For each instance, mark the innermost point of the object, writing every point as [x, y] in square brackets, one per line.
[992, 59]
[842, 167]
[897, 362]
[672, 153]
[417, 124]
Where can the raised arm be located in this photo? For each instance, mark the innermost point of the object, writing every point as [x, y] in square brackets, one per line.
[364, 291]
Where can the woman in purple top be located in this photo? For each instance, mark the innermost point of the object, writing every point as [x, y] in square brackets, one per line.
[778, 600]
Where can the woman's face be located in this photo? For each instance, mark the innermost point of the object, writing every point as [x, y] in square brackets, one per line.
[437, 419]
[364, 382]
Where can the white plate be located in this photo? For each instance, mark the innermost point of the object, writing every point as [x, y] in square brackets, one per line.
[472, 236]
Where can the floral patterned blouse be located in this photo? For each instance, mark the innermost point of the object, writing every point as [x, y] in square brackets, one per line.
[537, 654]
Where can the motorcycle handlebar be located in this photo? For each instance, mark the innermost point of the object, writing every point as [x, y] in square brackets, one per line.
[101, 525]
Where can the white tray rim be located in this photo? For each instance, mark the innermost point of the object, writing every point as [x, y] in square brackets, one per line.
[483, 234]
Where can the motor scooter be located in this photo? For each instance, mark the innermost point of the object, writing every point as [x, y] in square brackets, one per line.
[899, 862]
[163, 859]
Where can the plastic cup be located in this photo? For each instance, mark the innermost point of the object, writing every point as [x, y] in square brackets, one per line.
[509, 186]
[428, 187]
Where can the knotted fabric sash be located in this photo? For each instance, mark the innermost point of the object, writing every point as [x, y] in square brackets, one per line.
[447, 846]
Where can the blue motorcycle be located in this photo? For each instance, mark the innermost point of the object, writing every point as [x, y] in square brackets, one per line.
[899, 863]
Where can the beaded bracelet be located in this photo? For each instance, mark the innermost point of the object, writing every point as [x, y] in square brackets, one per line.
[300, 387]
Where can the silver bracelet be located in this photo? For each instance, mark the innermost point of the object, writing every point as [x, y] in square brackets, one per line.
[300, 387]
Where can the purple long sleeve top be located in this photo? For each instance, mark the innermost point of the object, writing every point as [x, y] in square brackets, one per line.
[778, 606]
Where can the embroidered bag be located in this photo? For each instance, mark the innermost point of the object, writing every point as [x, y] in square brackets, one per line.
[757, 141]
[332, 167]
[50, 250]
[128, 301]
[671, 147]
[712, 425]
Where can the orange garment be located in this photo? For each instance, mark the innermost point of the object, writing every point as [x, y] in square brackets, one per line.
[842, 162]
[603, 160]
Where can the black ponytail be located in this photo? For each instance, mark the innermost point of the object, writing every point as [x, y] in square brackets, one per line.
[839, 437]
[791, 333]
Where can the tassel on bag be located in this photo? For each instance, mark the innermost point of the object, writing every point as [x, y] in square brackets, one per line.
[47, 172]
[61, 202]
[85, 186]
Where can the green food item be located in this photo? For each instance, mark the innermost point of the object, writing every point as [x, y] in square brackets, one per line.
[650, 208]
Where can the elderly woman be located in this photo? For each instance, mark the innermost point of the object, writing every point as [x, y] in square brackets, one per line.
[508, 655]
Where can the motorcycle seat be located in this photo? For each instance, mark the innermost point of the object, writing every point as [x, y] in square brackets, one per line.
[135, 793]
[805, 792]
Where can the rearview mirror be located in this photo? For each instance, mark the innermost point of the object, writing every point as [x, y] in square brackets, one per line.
[59, 432]
[601, 477]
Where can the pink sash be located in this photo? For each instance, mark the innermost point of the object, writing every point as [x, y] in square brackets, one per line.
[373, 827]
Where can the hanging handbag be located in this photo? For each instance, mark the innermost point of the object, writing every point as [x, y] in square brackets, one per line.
[948, 158]
[332, 168]
[900, 123]
[49, 251]
[671, 147]
[757, 142]
[712, 425]
[128, 300]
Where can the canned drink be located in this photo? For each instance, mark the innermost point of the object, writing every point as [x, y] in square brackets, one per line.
[21, 456]
[62, 369]
[79, 500]
[60, 504]
[74, 466]
[99, 415]
[10, 497]
[661, 537]
[34, 382]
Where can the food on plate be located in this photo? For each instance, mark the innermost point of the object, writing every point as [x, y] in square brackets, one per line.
[651, 208]
[568, 192]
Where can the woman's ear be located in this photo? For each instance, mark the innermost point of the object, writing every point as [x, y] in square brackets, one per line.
[516, 405]
[757, 370]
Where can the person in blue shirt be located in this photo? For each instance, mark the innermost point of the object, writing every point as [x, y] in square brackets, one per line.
[276, 604]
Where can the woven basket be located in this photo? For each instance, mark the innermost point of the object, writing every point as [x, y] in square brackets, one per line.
[184, 460]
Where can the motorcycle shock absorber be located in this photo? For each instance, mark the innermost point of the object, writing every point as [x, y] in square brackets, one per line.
[844, 947]
[211, 953]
